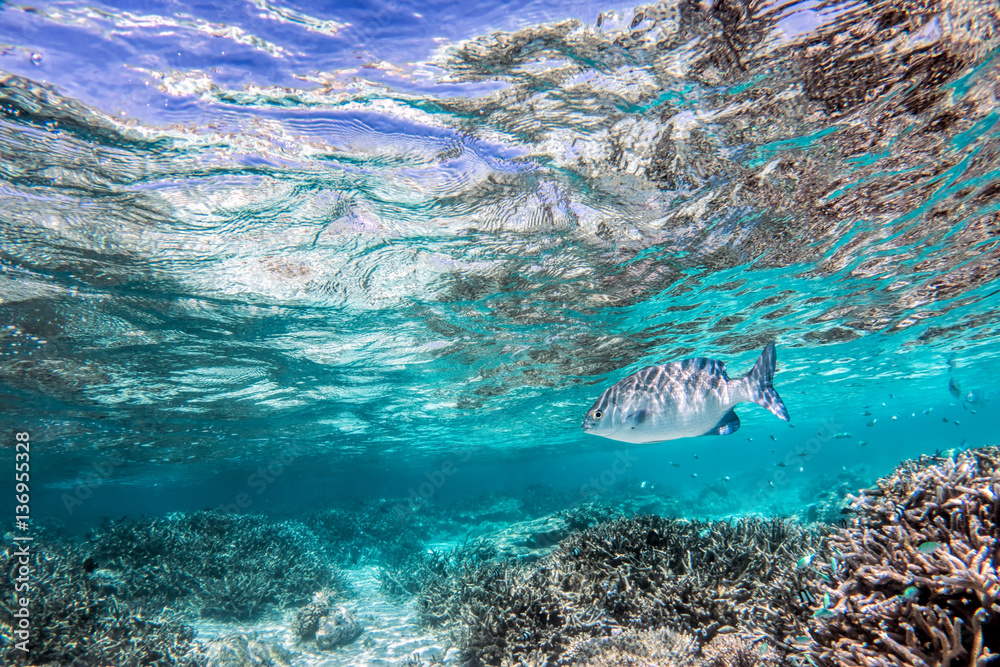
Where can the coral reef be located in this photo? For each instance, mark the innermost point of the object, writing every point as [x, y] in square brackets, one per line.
[75, 621]
[326, 625]
[337, 628]
[384, 532]
[914, 579]
[734, 650]
[641, 573]
[239, 649]
[306, 619]
[227, 566]
[645, 647]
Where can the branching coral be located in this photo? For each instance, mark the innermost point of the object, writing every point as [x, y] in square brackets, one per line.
[643, 647]
[385, 532]
[640, 573]
[914, 580]
[228, 566]
[75, 622]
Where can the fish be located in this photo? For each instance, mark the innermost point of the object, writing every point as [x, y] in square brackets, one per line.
[969, 397]
[912, 593]
[682, 399]
[928, 547]
[804, 561]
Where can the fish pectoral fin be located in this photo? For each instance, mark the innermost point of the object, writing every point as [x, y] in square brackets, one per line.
[728, 424]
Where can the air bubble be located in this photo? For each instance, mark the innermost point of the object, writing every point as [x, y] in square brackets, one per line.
[36, 59]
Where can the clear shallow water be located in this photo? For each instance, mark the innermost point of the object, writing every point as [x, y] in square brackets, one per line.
[376, 239]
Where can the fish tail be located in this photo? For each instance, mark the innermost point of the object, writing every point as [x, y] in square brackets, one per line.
[759, 386]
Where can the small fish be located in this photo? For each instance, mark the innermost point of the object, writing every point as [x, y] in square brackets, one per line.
[928, 547]
[682, 399]
[823, 613]
[944, 419]
[781, 464]
[873, 422]
[705, 532]
[911, 593]
[726, 478]
[804, 561]
[862, 443]
[675, 464]
[696, 456]
[694, 475]
[953, 387]
[866, 413]
[726, 630]
[803, 453]
[773, 438]
[802, 639]
[843, 435]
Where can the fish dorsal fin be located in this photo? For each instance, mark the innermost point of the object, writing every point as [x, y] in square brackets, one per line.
[705, 365]
[728, 424]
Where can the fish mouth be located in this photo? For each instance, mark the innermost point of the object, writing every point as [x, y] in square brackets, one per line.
[587, 424]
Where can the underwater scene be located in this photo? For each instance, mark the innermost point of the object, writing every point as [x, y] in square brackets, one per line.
[548, 334]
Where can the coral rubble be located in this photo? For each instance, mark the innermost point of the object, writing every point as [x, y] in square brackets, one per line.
[914, 579]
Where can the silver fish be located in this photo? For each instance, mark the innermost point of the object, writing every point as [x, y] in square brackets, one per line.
[681, 400]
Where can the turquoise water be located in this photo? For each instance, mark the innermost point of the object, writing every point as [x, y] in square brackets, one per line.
[276, 258]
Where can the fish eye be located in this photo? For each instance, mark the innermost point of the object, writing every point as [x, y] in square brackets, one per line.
[598, 414]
